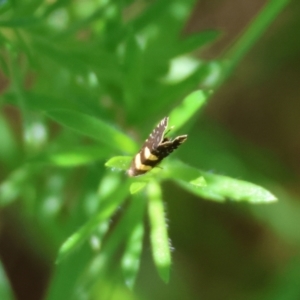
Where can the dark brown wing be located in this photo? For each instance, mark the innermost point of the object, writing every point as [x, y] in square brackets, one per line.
[168, 146]
[157, 135]
[155, 148]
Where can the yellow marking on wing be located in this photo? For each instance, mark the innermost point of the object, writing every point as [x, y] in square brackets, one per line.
[145, 168]
[137, 161]
[148, 155]
[138, 165]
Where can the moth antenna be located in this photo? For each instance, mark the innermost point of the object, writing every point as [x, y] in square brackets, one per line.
[169, 130]
[159, 167]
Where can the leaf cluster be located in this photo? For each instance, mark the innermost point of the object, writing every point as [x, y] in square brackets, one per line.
[85, 77]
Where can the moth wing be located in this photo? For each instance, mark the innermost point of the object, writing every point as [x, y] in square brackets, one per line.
[157, 135]
[168, 146]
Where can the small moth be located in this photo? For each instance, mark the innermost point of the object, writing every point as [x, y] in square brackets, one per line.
[155, 149]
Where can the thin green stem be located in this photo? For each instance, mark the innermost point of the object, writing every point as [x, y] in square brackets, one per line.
[258, 26]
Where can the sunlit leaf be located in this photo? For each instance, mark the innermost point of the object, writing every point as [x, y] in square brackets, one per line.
[175, 169]
[73, 157]
[94, 128]
[199, 182]
[106, 210]
[238, 190]
[131, 258]
[188, 107]
[137, 186]
[218, 187]
[119, 162]
[125, 231]
[159, 234]
[11, 188]
[134, 243]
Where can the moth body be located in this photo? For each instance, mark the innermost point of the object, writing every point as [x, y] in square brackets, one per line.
[154, 150]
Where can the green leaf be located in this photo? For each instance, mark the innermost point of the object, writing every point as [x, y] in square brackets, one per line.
[62, 57]
[45, 102]
[133, 73]
[6, 292]
[255, 30]
[238, 190]
[73, 157]
[107, 208]
[218, 187]
[133, 250]
[159, 235]
[200, 192]
[131, 258]
[174, 169]
[126, 230]
[13, 186]
[9, 150]
[119, 162]
[94, 128]
[187, 109]
[21, 22]
[195, 41]
[137, 186]
[150, 15]
[168, 93]
[199, 182]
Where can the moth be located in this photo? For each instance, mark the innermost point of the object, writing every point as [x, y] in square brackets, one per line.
[156, 147]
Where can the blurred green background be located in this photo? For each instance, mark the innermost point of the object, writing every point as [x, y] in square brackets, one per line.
[128, 64]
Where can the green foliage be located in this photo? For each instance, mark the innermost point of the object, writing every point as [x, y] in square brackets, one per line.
[159, 234]
[84, 76]
[5, 288]
[94, 128]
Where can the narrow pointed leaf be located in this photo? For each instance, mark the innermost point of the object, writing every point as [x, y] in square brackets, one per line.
[106, 210]
[94, 128]
[130, 220]
[159, 235]
[73, 157]
[9, 150]
[199, 182]
[15, 184]
[218, 187]
[132, 253]
[6, 292]
[189, 107]
[237, 190]
[195, 41]
[137, 186]
[119, 162]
